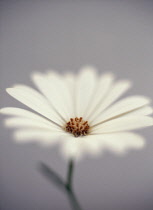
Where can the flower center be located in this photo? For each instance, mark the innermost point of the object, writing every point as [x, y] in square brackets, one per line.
[77, 126]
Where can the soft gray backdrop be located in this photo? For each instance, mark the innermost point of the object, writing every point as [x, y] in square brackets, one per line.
[64, 35]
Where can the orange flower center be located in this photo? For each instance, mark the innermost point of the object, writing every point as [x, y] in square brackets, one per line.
[77, 126]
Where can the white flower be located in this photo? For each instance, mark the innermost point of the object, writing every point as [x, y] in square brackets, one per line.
[79, 112]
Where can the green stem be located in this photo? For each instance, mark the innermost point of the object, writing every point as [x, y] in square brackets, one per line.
[71, 195]
[64, 186]
[73, 200]
[70, 175]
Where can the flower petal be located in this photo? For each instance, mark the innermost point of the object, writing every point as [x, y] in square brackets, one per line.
[18, 122]
[85, 86]
[41, 136]
[121, 142]
[146, 110]
[77, 147]
[96, 144]
[123, 124]
[116, 91]
[105, 83]
[56, 91]
[35, 101]
[22, 113]
[122, 107]
[70, 82]
[71, 148]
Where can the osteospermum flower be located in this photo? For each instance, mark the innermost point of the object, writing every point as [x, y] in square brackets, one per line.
[79, 112]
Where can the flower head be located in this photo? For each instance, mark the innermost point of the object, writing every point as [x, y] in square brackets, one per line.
[79, 112]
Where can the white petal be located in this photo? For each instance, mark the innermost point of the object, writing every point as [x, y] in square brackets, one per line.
[77, 147]
[122, 107]
[116, 91]
[35, 101]
[123, 124]
[37, 135]
[104, 84]
[22, 113]
[17, 122]
[56, 91]
[95, 144]
[70, 82]
[85, 86]
[121, 142]
[147, 110]
[71, 148]
[92, 145]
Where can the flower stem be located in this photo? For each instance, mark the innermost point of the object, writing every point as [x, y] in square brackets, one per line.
[68, 186]
[70, 175]
[73, 200]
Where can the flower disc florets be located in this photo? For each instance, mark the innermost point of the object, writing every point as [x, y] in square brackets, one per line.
[77, 126]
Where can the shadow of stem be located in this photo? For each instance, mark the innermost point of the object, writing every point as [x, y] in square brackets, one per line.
[66, 187]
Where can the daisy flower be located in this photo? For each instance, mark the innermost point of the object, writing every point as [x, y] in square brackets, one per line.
[80, 112]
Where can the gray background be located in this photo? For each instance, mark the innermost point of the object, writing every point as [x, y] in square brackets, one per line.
[64, 35]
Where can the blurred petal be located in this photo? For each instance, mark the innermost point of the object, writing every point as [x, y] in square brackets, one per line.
[122, 107]
[116, 91]
[54, 88]
[123, 124]
[104, 84]
[70, 147]
[17, 122]
[70, 80]
[35, 101]
[85, 87]
[147, 110]
[22, 113]
[41, 136]
[121, 142]
[78, 147]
